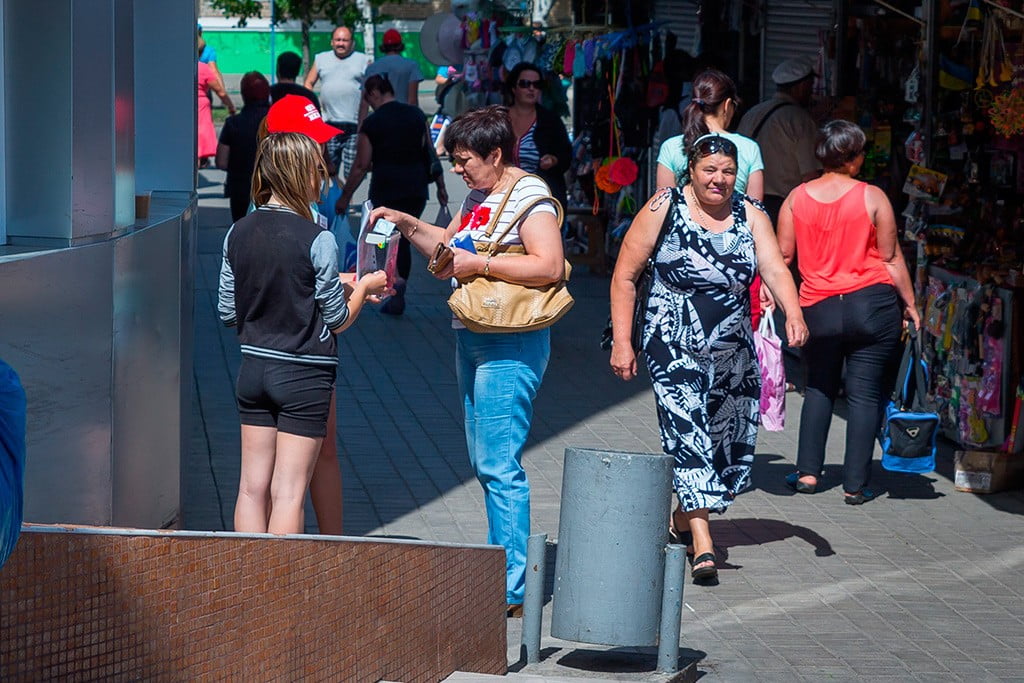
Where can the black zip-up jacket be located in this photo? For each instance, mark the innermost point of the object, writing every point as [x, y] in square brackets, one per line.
[279, 284]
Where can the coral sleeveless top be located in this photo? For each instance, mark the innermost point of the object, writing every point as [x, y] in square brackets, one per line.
[836, 245]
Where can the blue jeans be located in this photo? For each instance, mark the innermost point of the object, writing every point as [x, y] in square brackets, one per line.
[499, 375]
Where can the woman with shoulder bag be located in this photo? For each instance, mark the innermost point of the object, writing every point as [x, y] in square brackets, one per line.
[499, 372]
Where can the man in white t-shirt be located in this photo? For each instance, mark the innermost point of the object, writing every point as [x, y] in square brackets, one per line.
[340, 72]
[403, 73]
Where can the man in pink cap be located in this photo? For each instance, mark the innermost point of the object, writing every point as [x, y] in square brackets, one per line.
[403, 73]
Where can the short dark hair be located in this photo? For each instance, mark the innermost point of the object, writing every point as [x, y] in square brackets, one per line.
[255, 88]
[482, 131]
[378, 83]
[288, 65]
[839, 142]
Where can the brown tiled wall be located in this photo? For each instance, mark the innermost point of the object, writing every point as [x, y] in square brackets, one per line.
[80, 605]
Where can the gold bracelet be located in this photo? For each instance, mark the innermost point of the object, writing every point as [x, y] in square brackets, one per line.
[487, 265]
[415, 227]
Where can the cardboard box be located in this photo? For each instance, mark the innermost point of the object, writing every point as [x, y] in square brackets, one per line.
[987, 471]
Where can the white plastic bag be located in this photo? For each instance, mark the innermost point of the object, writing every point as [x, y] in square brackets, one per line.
[773, 374]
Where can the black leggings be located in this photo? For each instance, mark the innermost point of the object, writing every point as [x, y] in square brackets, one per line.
[413, 207]
[863, 329]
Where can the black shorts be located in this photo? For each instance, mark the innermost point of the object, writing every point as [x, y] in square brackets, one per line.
[294, 398]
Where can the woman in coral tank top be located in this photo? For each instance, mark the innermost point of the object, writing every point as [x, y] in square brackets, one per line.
[854, 280]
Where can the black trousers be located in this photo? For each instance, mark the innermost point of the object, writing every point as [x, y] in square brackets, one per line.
[861, 329]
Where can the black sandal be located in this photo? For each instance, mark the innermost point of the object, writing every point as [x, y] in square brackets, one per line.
[704, 572]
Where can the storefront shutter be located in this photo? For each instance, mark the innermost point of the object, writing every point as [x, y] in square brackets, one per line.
[681, 18]
[792, 28]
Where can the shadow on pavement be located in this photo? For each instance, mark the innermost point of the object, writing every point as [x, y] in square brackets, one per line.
[730, 533]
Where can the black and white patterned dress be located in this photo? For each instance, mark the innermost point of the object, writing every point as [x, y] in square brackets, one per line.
[700, 353]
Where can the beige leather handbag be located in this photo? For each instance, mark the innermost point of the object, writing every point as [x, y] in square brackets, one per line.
[488, 304]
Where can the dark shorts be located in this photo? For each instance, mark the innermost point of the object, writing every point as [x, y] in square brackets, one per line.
[293, 398]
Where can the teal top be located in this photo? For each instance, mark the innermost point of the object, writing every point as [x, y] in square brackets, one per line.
[672, 157]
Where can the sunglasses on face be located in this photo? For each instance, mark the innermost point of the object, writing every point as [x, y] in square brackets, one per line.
[523, 83]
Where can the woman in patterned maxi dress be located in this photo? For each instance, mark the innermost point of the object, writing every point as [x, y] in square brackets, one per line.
[697, 338]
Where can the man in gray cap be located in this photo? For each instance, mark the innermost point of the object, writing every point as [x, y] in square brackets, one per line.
[784, 129]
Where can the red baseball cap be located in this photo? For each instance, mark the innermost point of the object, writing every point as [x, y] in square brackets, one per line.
[392, 38]
[296, 114]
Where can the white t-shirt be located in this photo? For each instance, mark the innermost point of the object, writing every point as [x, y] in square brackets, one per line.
[341, 83]
[524, 191]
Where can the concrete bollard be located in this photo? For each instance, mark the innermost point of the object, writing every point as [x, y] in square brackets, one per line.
[612, 532]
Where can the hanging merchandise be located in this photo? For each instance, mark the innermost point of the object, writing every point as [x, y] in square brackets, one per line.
[1007, 113]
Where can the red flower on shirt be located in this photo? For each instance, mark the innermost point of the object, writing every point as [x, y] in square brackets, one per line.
[479, 216]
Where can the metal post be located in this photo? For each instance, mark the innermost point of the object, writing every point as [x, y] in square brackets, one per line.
[273, 51]
[533, 603]
[671, 609]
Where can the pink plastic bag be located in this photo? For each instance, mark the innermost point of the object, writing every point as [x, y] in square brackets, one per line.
[773, 374]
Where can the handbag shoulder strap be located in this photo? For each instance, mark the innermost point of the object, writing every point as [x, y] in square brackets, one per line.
[768, 115]
[520, 213]
[504, 202]
[665, 224]
[911, 368]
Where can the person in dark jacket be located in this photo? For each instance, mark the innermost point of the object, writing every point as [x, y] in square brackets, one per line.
[236, 148]
[279, 287]
[542, 143]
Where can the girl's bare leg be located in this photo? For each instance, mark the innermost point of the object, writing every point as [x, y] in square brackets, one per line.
[252, 508]
[293, 468]
[325, 487]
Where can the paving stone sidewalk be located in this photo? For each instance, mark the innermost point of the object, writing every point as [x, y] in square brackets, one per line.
[923, 584]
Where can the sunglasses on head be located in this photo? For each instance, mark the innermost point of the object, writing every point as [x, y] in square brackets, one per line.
[714, 144]
[523, 83]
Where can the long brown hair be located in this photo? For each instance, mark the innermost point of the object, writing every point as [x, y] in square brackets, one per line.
[290, 167]
[711, 88]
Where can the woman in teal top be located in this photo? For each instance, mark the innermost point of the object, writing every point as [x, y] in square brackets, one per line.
[711, 110]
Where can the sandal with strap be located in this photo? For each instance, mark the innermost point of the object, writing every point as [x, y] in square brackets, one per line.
[704, 572]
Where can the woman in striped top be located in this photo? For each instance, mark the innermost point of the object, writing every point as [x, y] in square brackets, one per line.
[499, 373]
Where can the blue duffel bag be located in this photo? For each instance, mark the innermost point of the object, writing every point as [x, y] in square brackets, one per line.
[12, 458]
[909, 429]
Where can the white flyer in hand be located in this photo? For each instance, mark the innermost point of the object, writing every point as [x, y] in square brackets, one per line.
[378, 233]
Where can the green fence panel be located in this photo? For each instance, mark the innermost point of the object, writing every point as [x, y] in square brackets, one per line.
[241, 50]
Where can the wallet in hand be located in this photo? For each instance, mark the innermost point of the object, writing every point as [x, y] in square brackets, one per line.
[441, 257]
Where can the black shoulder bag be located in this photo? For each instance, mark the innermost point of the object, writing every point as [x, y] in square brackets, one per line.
[643, 292]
